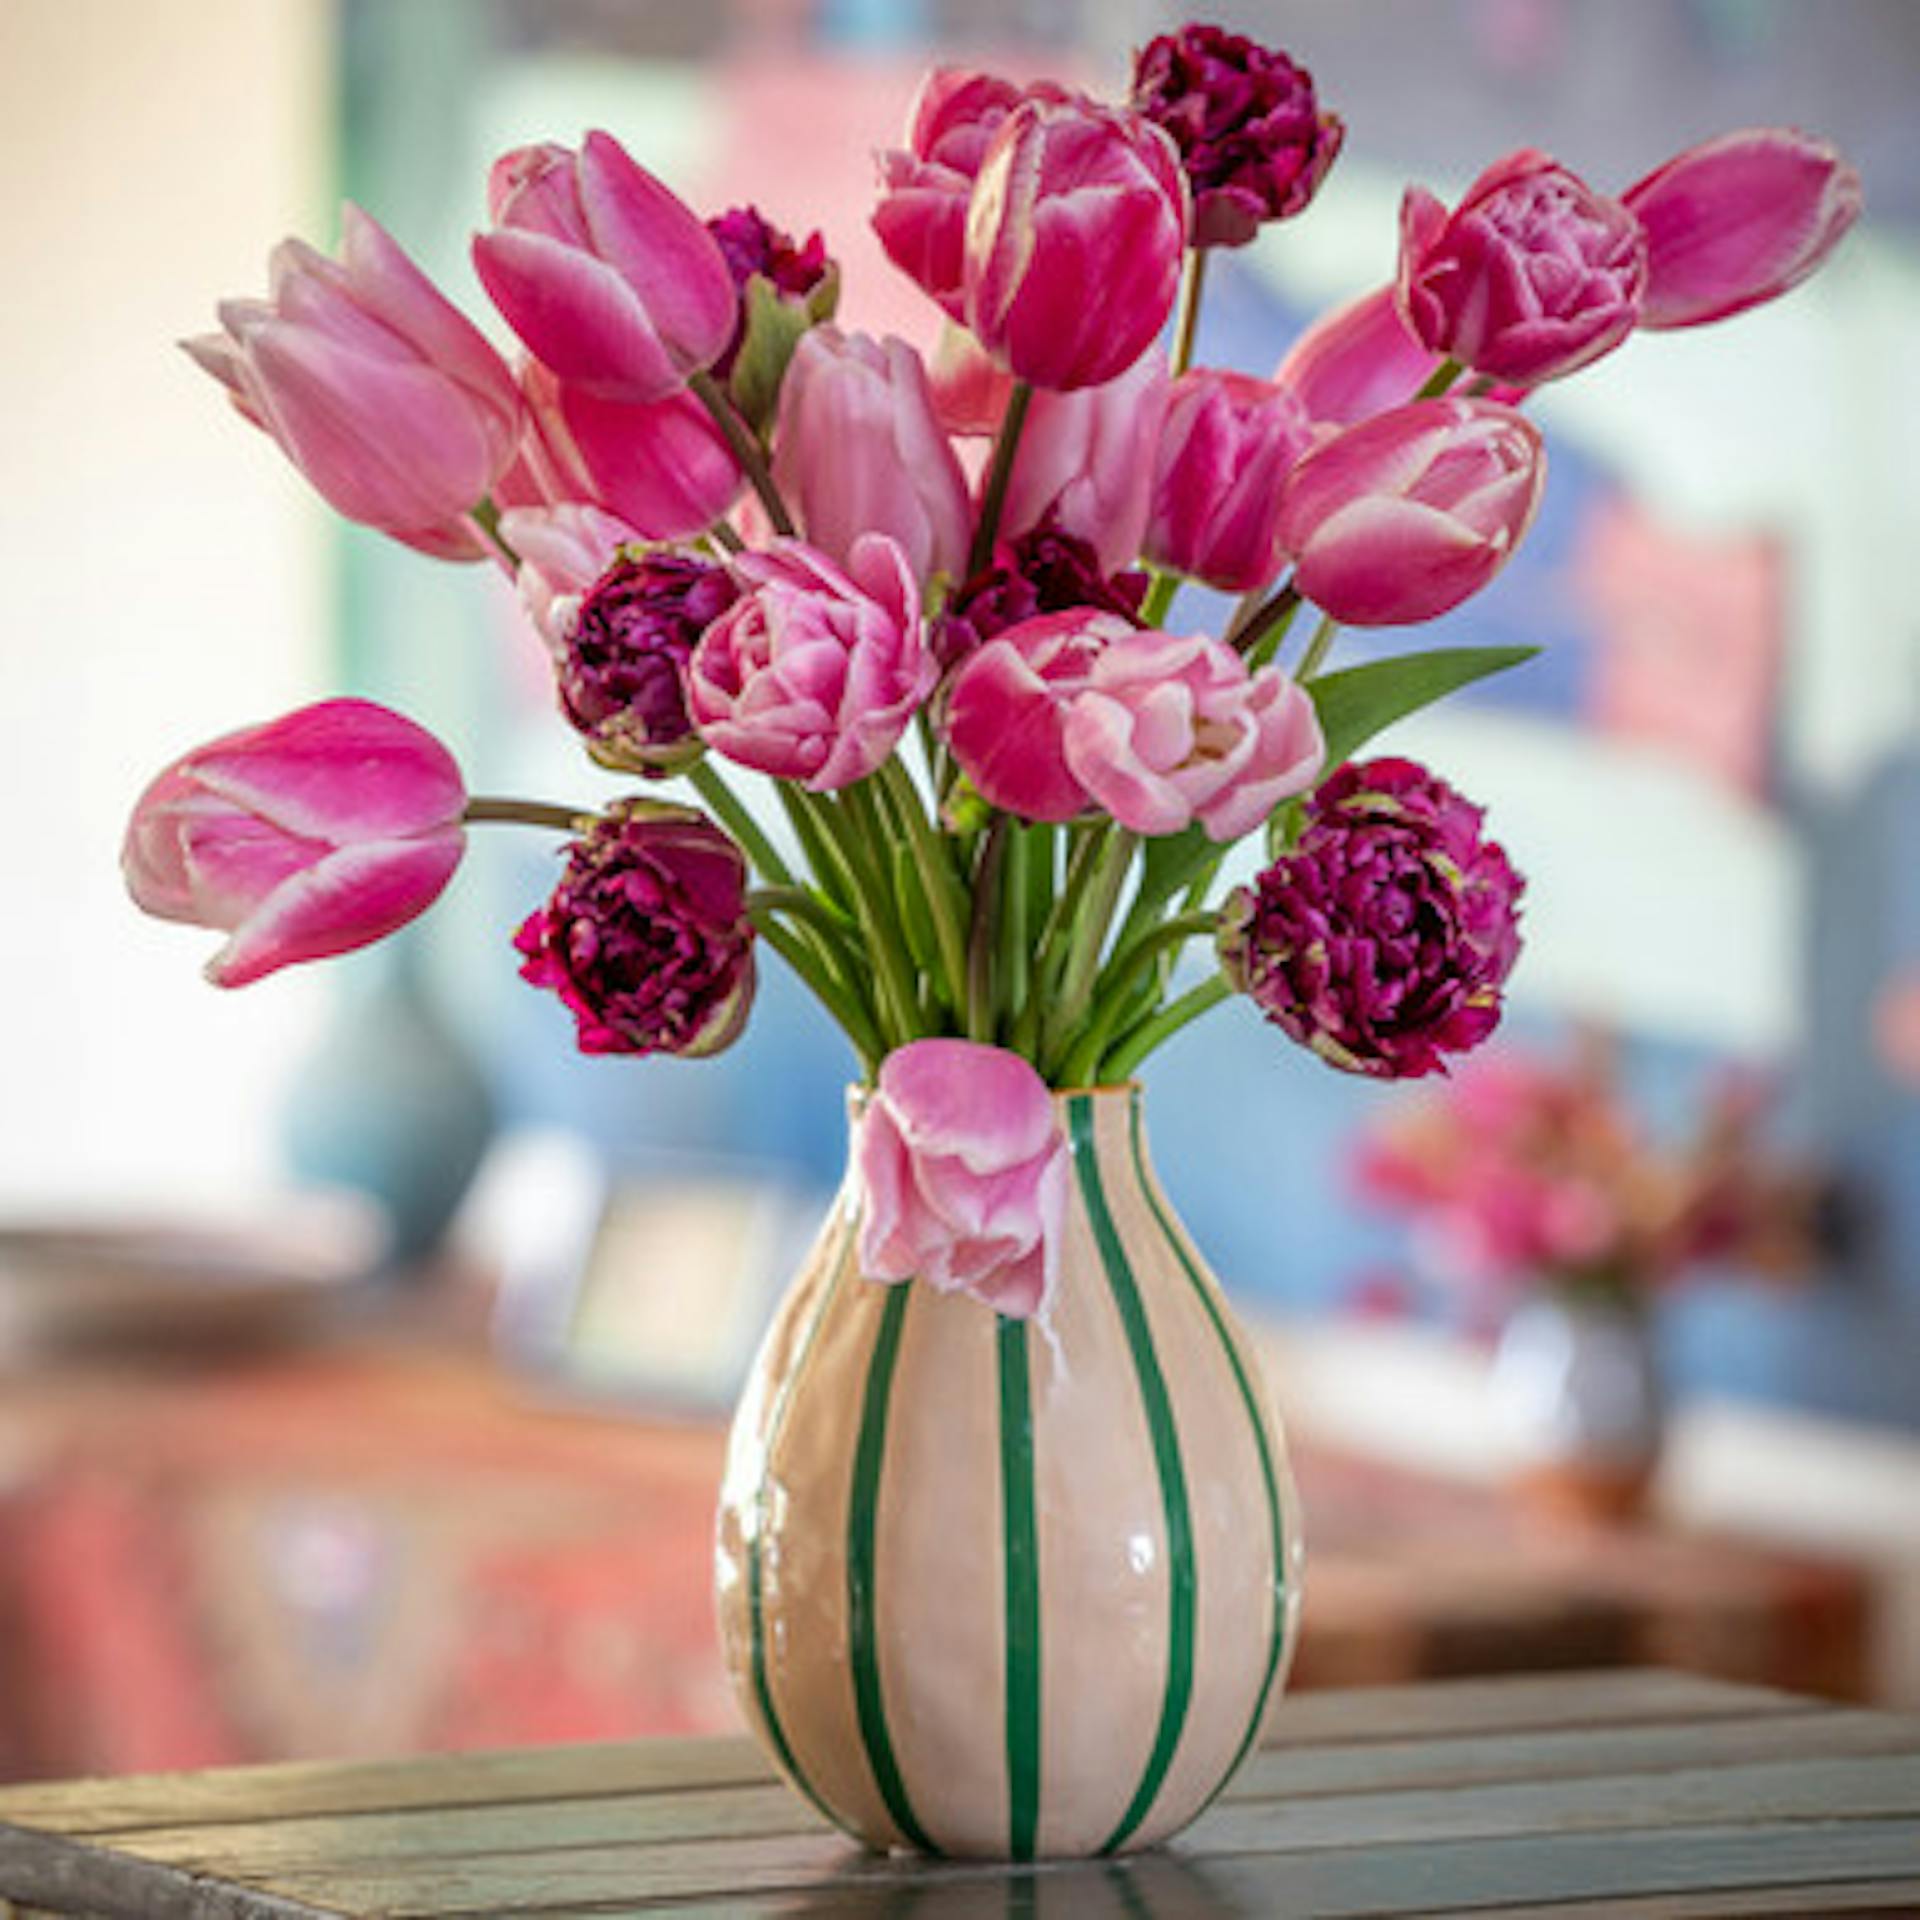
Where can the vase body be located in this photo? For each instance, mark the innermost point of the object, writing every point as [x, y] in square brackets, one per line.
[994, 1589]
[1578, 1388]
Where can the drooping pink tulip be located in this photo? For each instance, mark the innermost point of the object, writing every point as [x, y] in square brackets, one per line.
[1172, 731]
[963, 1175]
[921, 217]
[1076, 229]
[814, 673]
[608, 278]
[1227, 445]
[1404, 516]
[1085, 462]
[857, 450]
[1530, 277]
[1739, 220]
[374, 385]
[316, 833]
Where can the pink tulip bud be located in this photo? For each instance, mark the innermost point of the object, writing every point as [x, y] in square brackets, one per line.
[319, 832]
[563, 552]
[374, 385]
[1085, 462]
[1073, 711]
[963, 1171]
[1228, 443]
[921, 219]
[610, 279]
[813, 674]
[970, 393]
[1739, 220]
[1075, 233]
[1404, 516]
[1531, 276]
[857, 450]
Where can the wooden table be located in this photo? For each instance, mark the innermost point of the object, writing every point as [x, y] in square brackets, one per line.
[1624, 1793]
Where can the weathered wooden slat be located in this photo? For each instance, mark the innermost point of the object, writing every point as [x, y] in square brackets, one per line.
[45, 1871]
[308, 1844]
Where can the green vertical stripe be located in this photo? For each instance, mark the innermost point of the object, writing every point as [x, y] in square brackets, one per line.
[1249, 1398]
[869, 1458]
[776, 1422]
[1165, 1436]
[1022, 1558]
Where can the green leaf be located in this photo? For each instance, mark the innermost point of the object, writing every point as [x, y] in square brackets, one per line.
[775, 324]
[916, 915]
[1166, 867]
[1358, 702]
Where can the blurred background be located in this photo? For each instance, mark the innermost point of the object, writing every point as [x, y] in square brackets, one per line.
[364, 1351]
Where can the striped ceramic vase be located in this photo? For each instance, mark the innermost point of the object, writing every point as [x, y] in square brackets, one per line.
[996, 1590]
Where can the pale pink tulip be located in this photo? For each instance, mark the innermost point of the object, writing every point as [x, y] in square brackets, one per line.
[314, 834]
[376, 387]
[1076, 229]
[857, 450]
[608, 278]
[1227, 445]
[1170, 731]
[1404, 516]
[1086, 458]
[562, 551]
[814, 673]
[1530, 277]
[963, 1174]
[1739, 220]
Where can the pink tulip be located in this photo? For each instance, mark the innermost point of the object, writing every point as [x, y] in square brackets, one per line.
[1404, 516]
[609, 279]
[970, 393]
[1532, 276]
[1086, 458]
[921, 219]
[1739, 220]
[1170, 731]
[857, 450]
[1006, 710]
[964, 1175]
[374, 385]
[813, 674]
[563, 551]
[1228, 443]
[1358, 360]
[319, 832]
[1075, 234]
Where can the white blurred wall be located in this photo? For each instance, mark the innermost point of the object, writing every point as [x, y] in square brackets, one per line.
[162, 574]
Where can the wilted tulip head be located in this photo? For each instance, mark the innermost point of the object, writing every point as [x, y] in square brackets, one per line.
[647, 939]
[314, 834]
[1383, 941]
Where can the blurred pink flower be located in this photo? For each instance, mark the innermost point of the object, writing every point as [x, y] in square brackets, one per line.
[374, 385]
[311, 835]
[963, 1172]
[813, 674]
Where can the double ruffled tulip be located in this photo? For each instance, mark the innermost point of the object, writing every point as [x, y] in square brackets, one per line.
[963, 1173]
[1404, 516]
[1250, 131]
[1739, 220]
[562, 551]
[1085, 461]
[857, 450]
[1228, 443]
[1531, 276]
[1040, 571]
[813, 674]
[1076, 229]
[1073, 711]
[647, 939]
[374, 385]
[1384, 939]
[609, 279]
[921, 218]
[319, 832]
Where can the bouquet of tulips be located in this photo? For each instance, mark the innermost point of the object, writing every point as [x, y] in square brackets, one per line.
[935, 604]
[1532, 1171]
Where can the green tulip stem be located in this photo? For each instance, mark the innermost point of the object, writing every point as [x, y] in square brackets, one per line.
[813, 972]
[1118, 982]
[1440, 379]
[980, 942]
[490, 810]
[1317, 648]
[1125, 1058]
[711, 785]
[724, 540]
[1153, 609]
[1251, 623]
[1193, 280]
[850, 821]
[946, 898]
[1088, 933]
[998, 475]
[743, 446]
[485, 519]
